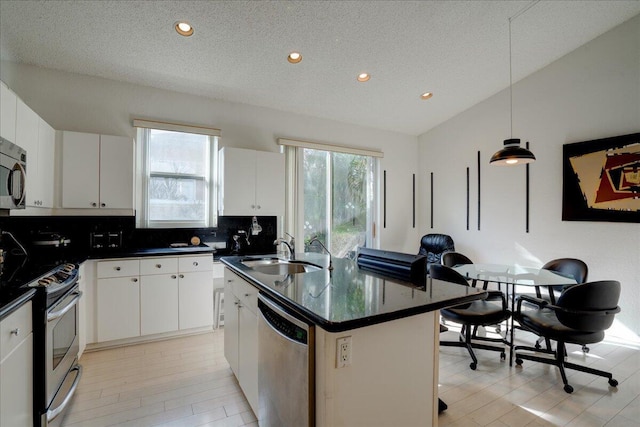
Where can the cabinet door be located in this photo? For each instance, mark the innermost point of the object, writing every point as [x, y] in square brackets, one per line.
[270, 176]
[80, 175]
[158, 304]
[118, 305]
[46, 160]
[196, 299]
[248, 356]
[16, 386]
[231, 321]
[27, 138]
[7, 113]
[116, 172]
[238, 181]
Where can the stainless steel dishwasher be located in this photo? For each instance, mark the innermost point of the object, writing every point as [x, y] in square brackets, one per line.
[286, 369]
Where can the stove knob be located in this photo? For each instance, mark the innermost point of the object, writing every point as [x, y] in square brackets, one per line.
[46, 281]
[68, 268]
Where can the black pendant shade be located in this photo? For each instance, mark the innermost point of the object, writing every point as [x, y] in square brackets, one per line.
[512, 154]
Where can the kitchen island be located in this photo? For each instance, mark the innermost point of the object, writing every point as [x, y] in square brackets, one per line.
[391, 376]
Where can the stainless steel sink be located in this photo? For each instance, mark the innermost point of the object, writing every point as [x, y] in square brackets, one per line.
[277, 266]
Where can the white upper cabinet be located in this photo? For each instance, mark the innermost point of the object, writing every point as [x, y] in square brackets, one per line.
[7, 113]
[251, 182]
[38, 138]
[97, 171]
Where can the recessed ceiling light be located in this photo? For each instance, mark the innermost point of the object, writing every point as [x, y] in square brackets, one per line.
[294, 57]
[426, 95]
[364, 77]
[184, 28]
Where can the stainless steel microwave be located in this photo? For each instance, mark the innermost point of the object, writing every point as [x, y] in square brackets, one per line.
[13, 175]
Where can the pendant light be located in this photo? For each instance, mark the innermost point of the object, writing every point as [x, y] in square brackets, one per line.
[512, 154]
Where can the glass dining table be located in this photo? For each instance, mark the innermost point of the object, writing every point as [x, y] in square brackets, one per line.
[514, 276]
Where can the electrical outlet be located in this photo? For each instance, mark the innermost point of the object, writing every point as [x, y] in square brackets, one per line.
[343, 352]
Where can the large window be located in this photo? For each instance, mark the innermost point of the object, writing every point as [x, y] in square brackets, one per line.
[334, 198]
[178, 186]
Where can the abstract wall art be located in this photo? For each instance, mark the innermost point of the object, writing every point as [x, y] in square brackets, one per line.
[601, 180]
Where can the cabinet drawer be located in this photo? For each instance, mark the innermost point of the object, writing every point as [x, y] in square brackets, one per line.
[247, 294]
[195, 263]
[14, 329]
[161, 265]
[118, 268]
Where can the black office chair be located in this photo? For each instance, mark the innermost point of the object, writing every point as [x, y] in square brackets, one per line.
[570, 267]
[581, 315]
[453, 258]
[433, 246]
[477, 313]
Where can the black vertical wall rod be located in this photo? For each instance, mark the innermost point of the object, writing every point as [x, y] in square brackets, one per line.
[384, 199]
[527, 193]
[431, 195]
[478, 190]
[414, 200]
[467, 198]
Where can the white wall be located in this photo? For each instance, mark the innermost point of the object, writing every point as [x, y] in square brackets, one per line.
[591, 93]
[88, 104]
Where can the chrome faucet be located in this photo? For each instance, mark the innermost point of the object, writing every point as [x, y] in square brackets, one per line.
[315, 239]
[291, 245]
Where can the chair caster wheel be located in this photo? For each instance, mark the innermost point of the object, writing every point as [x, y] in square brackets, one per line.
[518, 361]
[498, 329]
[473, 366]
[613, 383]
[568, 388]
[585, 349]
[503, 356]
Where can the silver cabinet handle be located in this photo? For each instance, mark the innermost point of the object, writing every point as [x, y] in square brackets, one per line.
[173, 276]
[246, 295]
[134, 279]
[94, 204]
[158, 265]
[181, 276]
[117, 268]
[195, 263]
[258, 206]
[103, 205]
[15, 332]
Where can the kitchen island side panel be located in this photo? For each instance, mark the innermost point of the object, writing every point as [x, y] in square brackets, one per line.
[392, 379]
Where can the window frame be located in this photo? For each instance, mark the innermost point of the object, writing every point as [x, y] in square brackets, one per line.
[145, 175]
[294, 216]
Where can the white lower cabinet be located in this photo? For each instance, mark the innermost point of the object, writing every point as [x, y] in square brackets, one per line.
[138, 297]
[118, 308]
[195, 299]
[158, 308]
[16, 368]
[241, 334]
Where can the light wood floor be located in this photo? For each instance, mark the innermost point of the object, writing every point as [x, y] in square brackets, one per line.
[187, 382]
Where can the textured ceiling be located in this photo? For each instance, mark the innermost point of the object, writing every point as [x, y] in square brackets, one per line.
[456, 49]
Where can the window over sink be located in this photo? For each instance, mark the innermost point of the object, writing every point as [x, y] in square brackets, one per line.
[178, 167]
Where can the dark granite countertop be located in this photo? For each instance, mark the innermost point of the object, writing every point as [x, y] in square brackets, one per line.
[349, 297]
[144, 252]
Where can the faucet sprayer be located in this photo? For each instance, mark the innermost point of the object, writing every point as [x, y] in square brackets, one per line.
[290, 245]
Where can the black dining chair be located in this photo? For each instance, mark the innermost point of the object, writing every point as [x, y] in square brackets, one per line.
[433, 245]
[581, 315]
[570, 267]
[490, 311]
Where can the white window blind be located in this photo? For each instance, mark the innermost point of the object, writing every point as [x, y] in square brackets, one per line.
[323, 146]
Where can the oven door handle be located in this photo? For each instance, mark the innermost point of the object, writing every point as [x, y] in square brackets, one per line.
[52, 413]
[57, 314]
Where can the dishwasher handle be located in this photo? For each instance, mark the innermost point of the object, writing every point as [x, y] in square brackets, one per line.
[282, 322]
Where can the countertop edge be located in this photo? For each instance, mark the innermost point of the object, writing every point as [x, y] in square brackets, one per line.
[356, 323]
[7, 309]
[149, 252]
